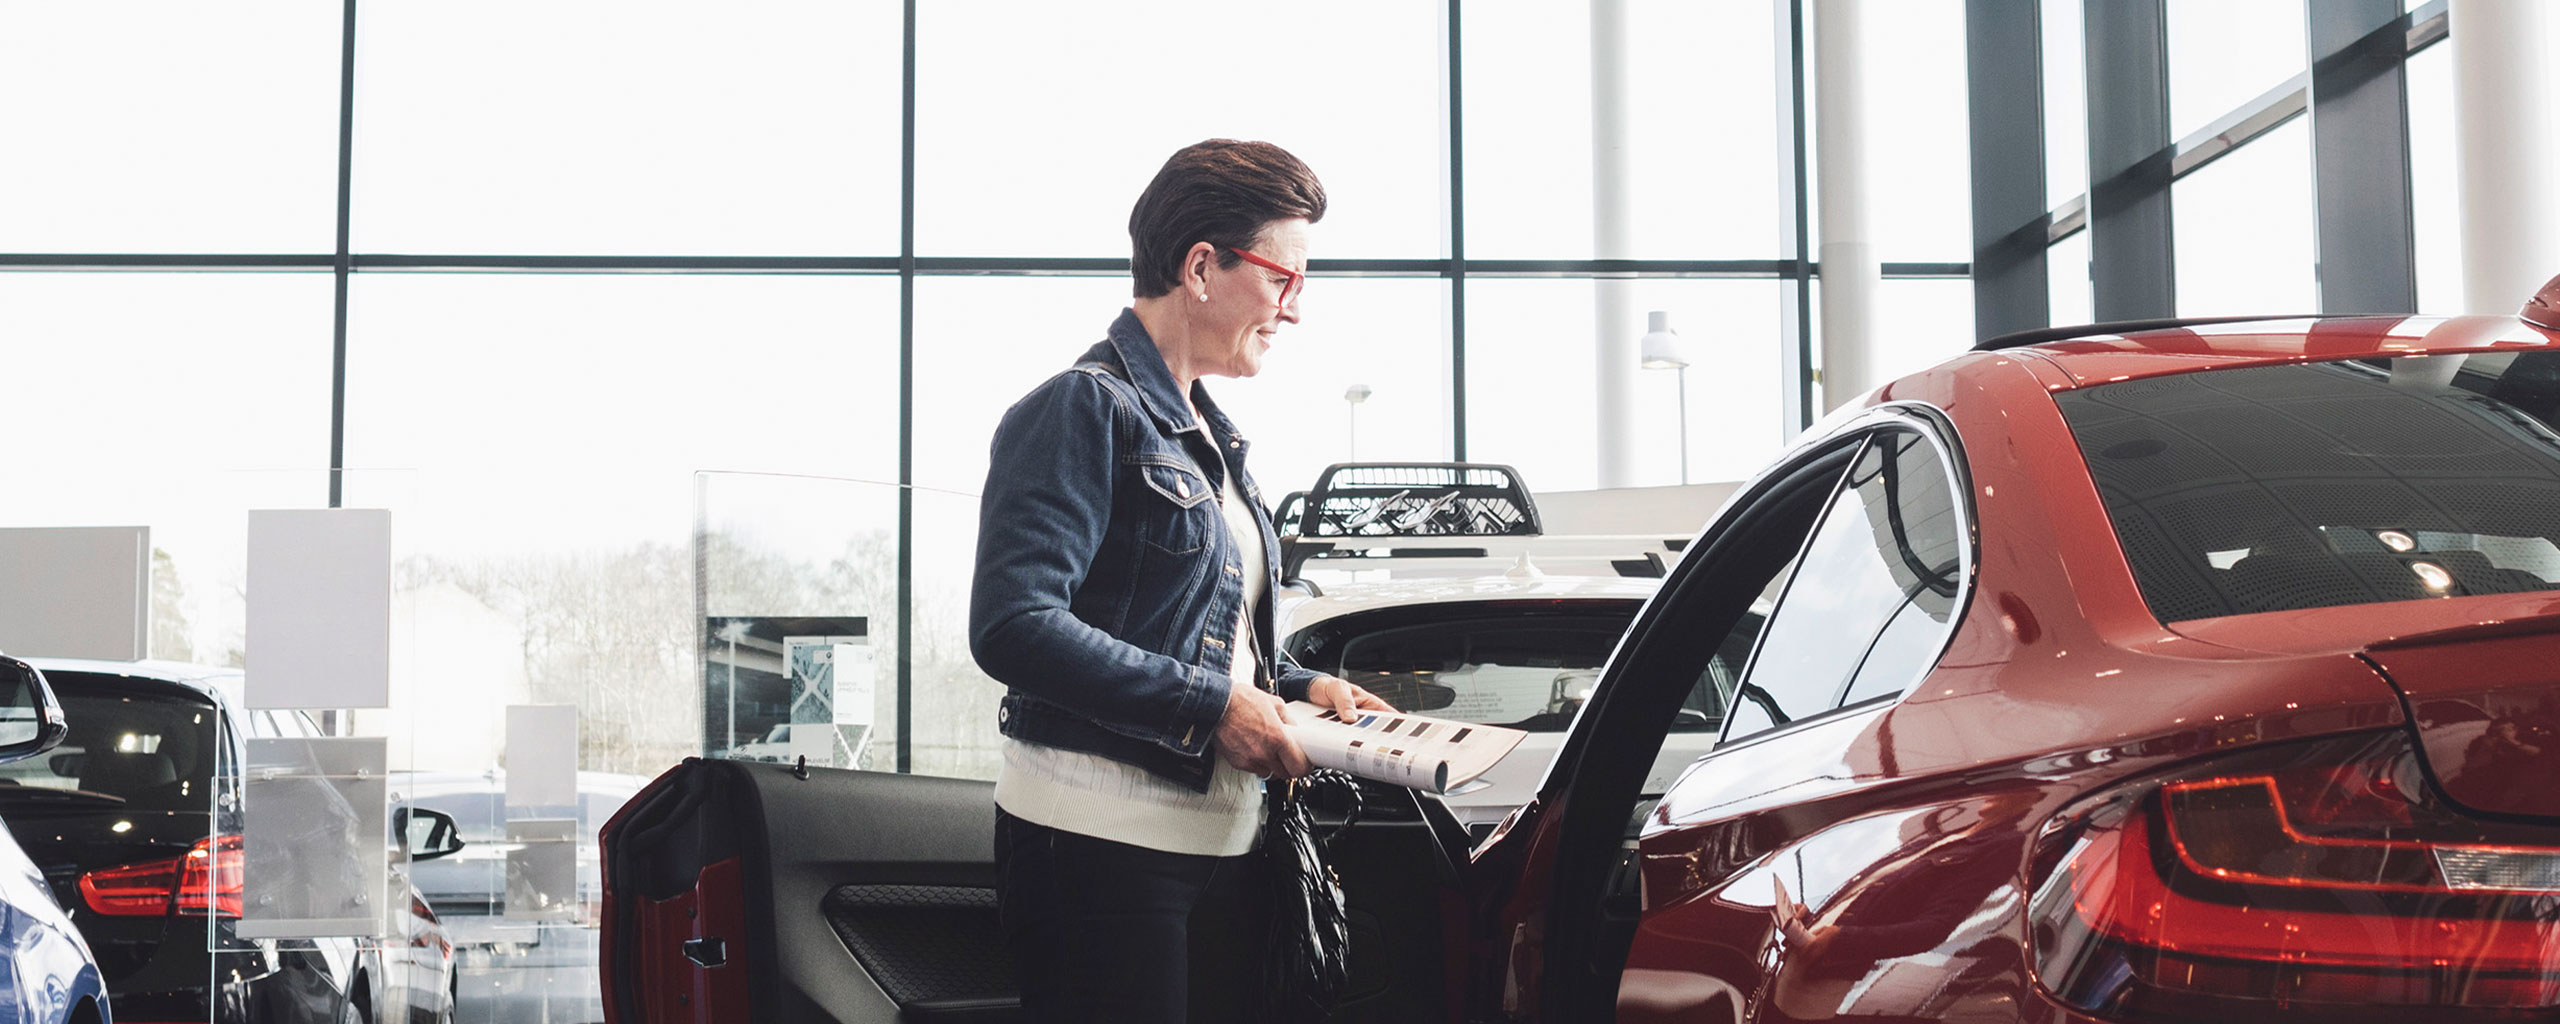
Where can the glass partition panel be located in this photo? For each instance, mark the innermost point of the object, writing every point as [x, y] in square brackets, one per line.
[801, 634]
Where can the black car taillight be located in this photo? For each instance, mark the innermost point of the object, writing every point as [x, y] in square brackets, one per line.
[2318, 881]
[186, 884]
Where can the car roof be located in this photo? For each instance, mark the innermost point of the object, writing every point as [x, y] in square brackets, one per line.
[1350, 598]
[2101, 357]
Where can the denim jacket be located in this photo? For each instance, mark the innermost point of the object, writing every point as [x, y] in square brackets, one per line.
[1107, 590]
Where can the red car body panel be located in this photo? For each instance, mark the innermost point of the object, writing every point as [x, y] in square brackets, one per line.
[1776, 893]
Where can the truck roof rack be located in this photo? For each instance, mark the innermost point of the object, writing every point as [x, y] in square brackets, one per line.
[1418, 499]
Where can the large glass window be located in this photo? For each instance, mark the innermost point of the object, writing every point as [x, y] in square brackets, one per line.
[2247, 240]
[537, 439]
[1532, 376]
[2068, 288]
[2225, 53]
[1700, 175]
[173, 401]
[2434, 183]
[1037, 123]
[1918, 143]
[617, 128]
[170, 127]
[2066, 104]
[1925, 321]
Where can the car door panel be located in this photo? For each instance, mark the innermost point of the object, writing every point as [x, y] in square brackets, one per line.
[827, 895]
[738, 891]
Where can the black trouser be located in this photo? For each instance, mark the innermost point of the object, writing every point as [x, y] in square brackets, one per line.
[1106, 931]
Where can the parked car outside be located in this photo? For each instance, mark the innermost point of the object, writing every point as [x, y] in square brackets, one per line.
[124, 822]
[51, 975]
[1522, 652]
[511, 970]
[2178, 671]
[1445, 596]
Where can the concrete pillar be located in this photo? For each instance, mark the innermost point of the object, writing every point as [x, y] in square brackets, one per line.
[2504, 119]
[1613, 320]
[1847, 252]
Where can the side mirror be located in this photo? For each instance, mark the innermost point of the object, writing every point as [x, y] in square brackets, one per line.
[30, 719]
[428, 834]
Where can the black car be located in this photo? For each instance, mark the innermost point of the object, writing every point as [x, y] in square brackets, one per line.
[136, 822]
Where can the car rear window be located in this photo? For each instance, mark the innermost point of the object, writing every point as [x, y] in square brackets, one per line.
[2316, 485]
[1528, 665]
[152, 747]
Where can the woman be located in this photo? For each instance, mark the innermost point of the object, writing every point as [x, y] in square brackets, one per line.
[1122, 595]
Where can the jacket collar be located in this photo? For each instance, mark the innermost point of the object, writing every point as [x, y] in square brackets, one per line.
[1130, 351]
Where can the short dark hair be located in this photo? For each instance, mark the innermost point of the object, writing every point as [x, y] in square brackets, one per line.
[1221, 192]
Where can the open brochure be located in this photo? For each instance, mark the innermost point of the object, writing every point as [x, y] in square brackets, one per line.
[1425, 753]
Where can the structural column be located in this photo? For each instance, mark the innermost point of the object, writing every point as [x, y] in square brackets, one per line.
[1850, 272]
[2503, 117]
[2131, 266]
[2360, 155]
[2004, 66]
[1613, 301]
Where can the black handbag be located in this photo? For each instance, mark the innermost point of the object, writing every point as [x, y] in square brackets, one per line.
[1309, 951]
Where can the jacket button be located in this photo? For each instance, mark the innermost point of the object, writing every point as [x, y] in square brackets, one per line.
[1004, 715]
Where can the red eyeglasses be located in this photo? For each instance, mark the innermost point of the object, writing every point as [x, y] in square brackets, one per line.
[1297, 282]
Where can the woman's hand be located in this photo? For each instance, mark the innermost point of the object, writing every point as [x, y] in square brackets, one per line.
[1344, 697]
[1254, 735]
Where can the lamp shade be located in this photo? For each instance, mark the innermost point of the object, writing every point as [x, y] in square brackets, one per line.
[1663, 348]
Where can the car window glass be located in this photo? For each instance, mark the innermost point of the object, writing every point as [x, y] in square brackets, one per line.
[2314, 485]
[153, 752]
[1887, 543]
[477, 816]
[1718, 682]
[1916, 528]
[1527, 672]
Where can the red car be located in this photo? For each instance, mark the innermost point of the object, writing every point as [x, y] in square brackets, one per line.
[2195, 672]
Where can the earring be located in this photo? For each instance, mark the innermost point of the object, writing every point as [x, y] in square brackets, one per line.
[1204, 296]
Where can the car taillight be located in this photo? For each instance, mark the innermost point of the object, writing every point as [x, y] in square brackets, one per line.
[2318, 881]
[184, 884]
